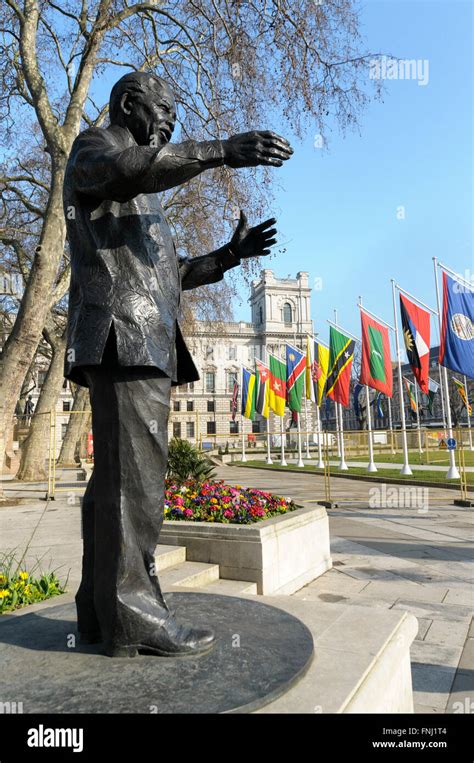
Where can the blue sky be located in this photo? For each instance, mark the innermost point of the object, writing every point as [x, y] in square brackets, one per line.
[337, 208]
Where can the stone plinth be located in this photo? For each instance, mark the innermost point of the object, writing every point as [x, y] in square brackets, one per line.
[280, 555]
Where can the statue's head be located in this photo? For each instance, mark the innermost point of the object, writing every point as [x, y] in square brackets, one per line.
[144, 103]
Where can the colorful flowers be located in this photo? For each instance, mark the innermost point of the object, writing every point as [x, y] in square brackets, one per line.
[20, 588]
[218, 502]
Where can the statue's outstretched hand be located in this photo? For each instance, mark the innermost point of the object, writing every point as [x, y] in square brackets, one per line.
[252, 242]
[259, 147]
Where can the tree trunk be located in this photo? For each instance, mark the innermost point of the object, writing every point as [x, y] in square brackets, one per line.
[20, 347]
[77, 425]
[35, 448]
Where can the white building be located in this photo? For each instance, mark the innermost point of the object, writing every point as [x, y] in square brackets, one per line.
[280, 313]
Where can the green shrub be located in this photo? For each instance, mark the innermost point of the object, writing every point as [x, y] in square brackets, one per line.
[18, 588]
[186, 462]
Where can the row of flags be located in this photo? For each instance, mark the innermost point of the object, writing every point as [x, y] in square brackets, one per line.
[326, 371]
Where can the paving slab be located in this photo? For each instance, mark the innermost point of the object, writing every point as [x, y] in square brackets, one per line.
[448, 632]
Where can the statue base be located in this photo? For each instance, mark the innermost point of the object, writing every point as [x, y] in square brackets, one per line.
[260, 652]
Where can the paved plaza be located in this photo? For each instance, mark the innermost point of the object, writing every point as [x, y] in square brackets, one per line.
[414, 556]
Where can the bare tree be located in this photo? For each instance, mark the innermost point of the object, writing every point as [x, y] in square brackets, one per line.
[34, 451]
[228, 63]
[78, 425]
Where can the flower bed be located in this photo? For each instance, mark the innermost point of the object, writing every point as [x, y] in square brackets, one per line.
[20, 588]
[217, 502]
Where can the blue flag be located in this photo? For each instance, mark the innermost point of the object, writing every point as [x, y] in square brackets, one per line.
[355, 398]
[457, 333]
[380, 413]
[327, 408]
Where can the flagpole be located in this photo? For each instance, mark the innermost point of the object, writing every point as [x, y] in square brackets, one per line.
[242, 419]
[300, 456]
[371, 465]
[269, 455]
[452, 473]
[467, 413]
[300, 463]
[390, 424]
[441, 389]
[244, 457]
[420, 449]
[342, 466]
[308, 454]
[282, 442]
[338, 435]
[406, 470]
[282, 427]
[320, 464]
[342, 463]
[336, 410]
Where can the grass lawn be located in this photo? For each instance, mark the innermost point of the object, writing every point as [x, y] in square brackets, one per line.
[424, 476]
[435, 457]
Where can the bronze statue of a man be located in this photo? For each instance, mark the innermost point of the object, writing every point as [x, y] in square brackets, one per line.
[124, 343]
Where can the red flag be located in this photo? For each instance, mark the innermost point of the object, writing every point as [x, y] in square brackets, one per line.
[416, 335]
[376, 366]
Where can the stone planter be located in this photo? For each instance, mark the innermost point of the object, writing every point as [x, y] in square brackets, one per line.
[281, 554]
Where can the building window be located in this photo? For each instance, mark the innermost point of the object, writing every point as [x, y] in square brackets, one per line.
[176, 405]
[190, 429]
[234, 427]
[287, 313]
[190, 387]
[260, 314]
[190, 405]
[256, 427]
[176, 429]
[211, 406]
[66, 405]
[251, 352]
[231, 380]
[232, 353]
[210, 381]
[211, 427]
[63, 431]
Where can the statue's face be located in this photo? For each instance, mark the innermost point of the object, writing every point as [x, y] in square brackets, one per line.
[150, 116]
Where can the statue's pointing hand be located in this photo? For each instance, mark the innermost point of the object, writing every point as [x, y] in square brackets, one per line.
[252, 242]
[259, 147]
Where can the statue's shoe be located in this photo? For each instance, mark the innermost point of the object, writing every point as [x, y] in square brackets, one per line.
[168, 640]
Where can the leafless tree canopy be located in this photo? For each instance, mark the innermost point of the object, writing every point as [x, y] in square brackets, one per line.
[233, 65]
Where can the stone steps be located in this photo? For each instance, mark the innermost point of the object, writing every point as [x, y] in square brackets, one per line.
[175, 571]
[169, 556]
[189, 575]
[231, 587]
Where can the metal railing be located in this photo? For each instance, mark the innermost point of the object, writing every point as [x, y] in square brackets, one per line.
[425, 446]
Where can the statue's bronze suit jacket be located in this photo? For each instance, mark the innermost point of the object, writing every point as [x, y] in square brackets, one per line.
[125, 270]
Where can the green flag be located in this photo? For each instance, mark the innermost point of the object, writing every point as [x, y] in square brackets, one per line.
[277, 385]
[377, 366]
